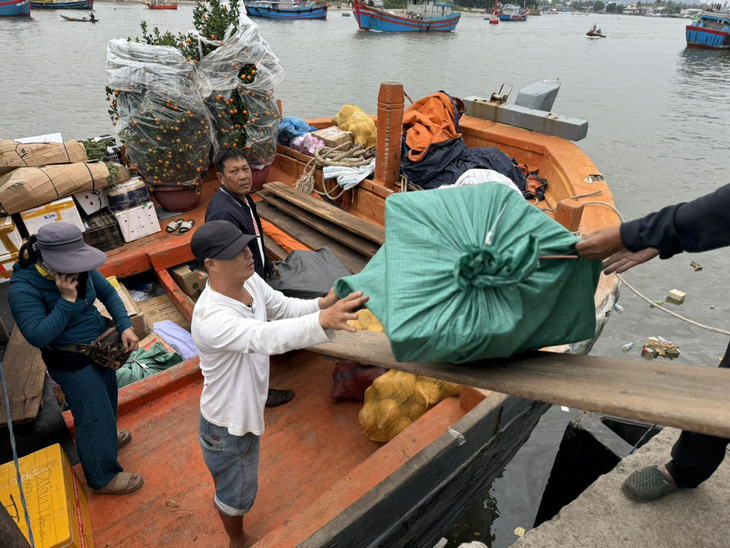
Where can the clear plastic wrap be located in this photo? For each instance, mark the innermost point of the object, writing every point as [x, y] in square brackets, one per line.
[127, 195]
[163, 120]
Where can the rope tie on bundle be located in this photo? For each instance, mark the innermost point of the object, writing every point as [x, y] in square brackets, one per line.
[354, 156]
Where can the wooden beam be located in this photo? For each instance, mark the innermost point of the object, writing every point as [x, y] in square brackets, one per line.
[329, 212]
[683, 396]
[336, 232]
[25, 374]
[352, 260]
[274, 250]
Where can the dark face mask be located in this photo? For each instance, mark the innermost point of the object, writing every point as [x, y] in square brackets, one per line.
[81, 288]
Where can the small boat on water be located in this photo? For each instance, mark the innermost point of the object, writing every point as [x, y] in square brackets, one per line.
[711, 30]
[15, 8]
[420, 16]
[511, 12]
[287, 10]
[323, 483]
[63, 4]
[595, 33]
[161, 4]
[80, 19]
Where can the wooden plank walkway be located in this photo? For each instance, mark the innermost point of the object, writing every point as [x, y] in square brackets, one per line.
[25, 374]
[683, 396]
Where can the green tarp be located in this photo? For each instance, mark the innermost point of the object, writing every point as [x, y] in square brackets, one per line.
[443, 293]
[143, 363]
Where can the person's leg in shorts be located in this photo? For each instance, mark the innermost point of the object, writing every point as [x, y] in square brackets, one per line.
[233, 462]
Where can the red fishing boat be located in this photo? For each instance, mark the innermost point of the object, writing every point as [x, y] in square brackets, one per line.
[161, 5]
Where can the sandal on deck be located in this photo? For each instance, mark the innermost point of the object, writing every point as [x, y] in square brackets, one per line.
[278, 397]
[122, 484]
[172, 226]
[647, 485]
[186, 226]
[123, 438]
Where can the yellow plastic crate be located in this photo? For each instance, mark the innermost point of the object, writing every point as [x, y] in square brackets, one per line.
[57, 505]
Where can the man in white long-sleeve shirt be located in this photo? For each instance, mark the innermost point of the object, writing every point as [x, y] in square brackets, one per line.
[232, 329]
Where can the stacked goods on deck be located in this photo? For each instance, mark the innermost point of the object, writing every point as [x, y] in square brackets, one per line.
[14, 154]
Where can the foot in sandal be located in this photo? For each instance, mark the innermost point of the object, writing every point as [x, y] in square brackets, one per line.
[186, 226]
[122, 484]
[172, 226]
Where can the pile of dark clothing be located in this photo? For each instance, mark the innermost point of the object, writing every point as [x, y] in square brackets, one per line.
[434, 154]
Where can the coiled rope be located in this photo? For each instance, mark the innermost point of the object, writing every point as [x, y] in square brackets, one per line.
[344, 155]
[647, 299]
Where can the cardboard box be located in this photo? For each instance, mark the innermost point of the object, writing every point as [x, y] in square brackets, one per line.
[159, 309]
[138, 222]
[136, 316]
[333, 136]
[14, 154]
[91, 201]
[150, 340]
[60, 210]
[192, 282]
[56, 499]
[10, 239]
[7, 261]
[28, 187]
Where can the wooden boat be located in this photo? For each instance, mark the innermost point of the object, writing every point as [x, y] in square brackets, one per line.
[15, 8]
[80, 19]
[511, 12]
[711, 30]
[595, 34]
[161, 5]
[63, 4]
[323, 483]
[287, 9]
[421, 16]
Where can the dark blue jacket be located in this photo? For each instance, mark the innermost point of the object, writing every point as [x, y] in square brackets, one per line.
[700, 225]
[224, 206]
[46, 319]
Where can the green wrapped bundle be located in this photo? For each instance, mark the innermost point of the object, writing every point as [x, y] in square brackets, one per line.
[461, 278]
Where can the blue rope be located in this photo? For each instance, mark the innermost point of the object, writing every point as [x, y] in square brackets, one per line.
[15, 455]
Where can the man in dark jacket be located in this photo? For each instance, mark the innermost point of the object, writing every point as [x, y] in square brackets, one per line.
[232, 203]
[700, 225]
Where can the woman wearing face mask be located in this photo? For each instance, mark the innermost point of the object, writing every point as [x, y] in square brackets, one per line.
[52, 293]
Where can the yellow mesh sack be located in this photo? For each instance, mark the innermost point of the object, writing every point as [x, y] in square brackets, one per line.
[397, 399]
[352, 118]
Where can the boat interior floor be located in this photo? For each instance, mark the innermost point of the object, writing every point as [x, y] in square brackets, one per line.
[313, 450]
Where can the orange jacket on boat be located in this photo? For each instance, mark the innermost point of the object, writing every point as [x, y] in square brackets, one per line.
[428, 121]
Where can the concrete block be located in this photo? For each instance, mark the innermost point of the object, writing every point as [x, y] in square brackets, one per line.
[676, 296]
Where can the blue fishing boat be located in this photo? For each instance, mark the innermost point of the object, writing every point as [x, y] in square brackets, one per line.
[711, 30]
[510, 12]
[420, 16]
[63, 4]
[287, 10]
[14, 8]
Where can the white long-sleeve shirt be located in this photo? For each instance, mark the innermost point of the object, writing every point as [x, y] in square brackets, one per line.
[235, 342]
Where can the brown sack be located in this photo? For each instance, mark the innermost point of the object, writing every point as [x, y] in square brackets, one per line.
[14, 154]
[28, 187]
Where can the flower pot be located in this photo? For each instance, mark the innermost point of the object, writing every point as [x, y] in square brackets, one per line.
[175, 198]
[259, 177]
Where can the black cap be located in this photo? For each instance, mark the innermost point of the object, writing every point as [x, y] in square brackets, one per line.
[218, 240]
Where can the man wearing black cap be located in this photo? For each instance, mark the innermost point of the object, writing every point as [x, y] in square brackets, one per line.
[232, 203]
[232, 331]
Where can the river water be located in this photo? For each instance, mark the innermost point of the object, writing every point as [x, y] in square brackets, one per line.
[658, 116]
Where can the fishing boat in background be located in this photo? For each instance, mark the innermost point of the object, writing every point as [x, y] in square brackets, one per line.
[711, 30]
[595, 32]
[287, 10]
[420, 16]
[14, 8]
[63, 4]
[81, 19]
[511, 12]
[161, 5]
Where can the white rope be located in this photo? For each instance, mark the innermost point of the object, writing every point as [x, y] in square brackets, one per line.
[647, 299]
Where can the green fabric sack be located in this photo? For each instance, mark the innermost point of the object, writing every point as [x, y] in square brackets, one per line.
[143, 363]
[443, 294]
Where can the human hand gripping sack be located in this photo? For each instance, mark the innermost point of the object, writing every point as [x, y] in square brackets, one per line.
[130, 341]
[607, 244]
[337, 312]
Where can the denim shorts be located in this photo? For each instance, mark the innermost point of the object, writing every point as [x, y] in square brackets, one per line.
[233, 462]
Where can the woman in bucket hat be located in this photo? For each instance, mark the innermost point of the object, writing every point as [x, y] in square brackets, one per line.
[52, 293]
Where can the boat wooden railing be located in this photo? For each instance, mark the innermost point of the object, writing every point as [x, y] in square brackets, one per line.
[689, 397]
